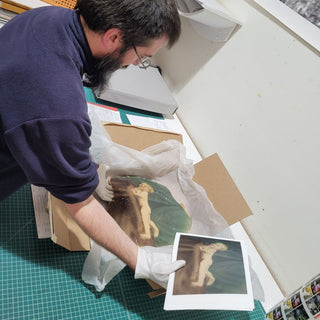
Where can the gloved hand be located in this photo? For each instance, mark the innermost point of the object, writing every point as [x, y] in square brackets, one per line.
[154, 263]
[104, 189]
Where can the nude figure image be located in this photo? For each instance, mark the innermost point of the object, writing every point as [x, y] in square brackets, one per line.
[146, 211]
[141, 193]
[202, 262]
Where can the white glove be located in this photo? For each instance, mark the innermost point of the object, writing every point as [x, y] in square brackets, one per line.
[154, 263]
[104, 189]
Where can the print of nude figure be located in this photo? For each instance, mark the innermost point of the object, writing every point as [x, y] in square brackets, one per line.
[202, 262]
[131, 209]
[146, 211]
[141, 193]
[197, 276]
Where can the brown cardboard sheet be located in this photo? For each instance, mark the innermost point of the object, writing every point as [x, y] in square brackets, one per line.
[211, 174]
[136, 137]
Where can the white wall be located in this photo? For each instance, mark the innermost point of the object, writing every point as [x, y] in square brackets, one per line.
[255, 101]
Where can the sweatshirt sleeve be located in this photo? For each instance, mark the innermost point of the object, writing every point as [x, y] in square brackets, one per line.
[54, 153]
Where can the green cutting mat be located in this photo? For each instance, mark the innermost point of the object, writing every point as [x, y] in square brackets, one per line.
[40, 280]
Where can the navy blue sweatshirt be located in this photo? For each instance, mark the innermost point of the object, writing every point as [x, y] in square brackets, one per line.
[44, 125]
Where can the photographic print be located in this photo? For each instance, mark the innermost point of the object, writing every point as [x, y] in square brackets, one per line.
[308, 9]
[293, 302]
[147, 211]
[294, 308]
[301, 16]
[311, 295]
[315, 286]
[275, 314]
[303, 304]
[313, 305]
[216, 275]
[297, 314]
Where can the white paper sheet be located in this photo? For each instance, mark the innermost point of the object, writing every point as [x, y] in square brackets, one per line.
[105, 113]
[226, 266]
[2, 21]
[40, 200]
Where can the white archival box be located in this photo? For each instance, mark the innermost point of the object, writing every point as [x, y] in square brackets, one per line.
[140, 88]
[208, 18]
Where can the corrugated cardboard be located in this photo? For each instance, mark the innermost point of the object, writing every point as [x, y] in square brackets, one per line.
[209, 173]
[65, 231]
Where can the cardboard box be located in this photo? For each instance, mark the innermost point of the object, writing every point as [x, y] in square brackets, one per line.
[210, 173]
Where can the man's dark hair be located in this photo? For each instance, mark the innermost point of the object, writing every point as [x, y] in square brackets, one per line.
[139, 20]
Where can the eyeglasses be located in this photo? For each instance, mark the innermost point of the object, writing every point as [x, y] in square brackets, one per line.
[144, 62]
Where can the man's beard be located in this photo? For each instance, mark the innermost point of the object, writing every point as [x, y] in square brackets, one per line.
[102, 71]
